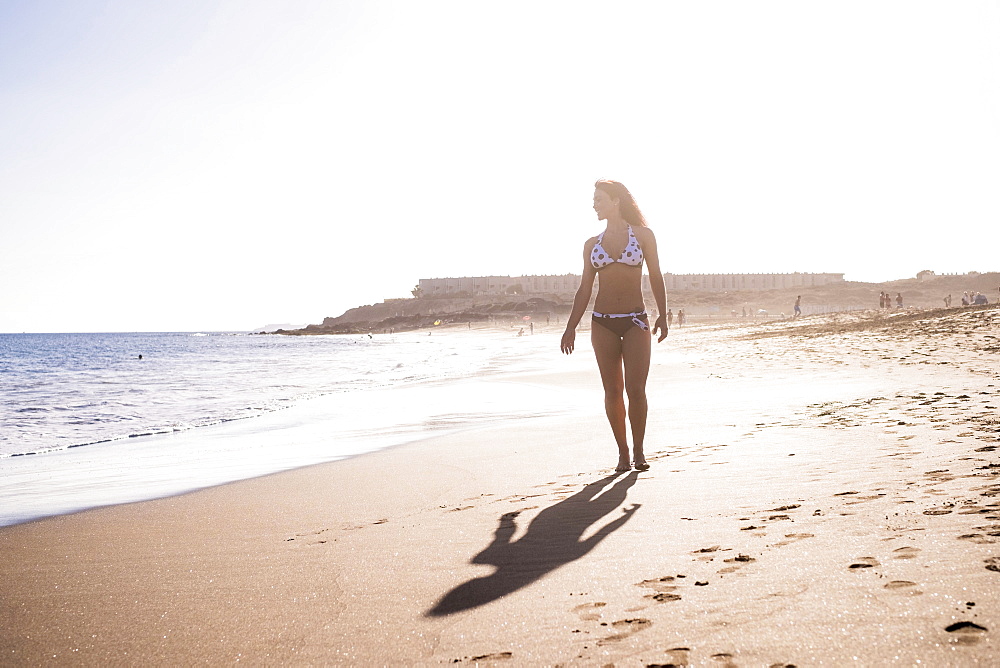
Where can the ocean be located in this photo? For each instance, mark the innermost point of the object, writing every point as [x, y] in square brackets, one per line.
[95, 419]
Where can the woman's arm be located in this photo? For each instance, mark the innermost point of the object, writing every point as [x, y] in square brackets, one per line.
[649, 251]
[580, 301]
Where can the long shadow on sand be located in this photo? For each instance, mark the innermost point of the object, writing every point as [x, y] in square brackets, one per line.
[553, 539]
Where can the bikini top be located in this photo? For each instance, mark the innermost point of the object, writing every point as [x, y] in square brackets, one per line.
[631, 255]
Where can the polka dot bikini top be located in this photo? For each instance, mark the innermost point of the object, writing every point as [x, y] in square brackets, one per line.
[631, 256]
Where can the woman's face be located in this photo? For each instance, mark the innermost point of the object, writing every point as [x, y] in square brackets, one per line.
[603, 204]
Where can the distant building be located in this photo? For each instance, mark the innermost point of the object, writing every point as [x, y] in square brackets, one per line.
[498, 285]
[749, 282]
[927, 275]
[568, 283]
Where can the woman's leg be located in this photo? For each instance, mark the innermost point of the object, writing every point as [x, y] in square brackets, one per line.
[608, 350]
[636, 352]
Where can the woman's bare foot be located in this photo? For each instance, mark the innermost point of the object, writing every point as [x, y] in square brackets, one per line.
[640, 461]
[623, 465]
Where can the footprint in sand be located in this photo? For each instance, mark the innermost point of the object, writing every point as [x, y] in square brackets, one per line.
[864, 499]
[664, 597]
[793, 538]
[678, 656]
[976, 510]
[742, 558]
[708, 553]
[903, 587]
[626, 627]
[664, 588]
[864, 563]
[517, 497]
[588, 611]
[905, 553]
[977, 538]
[725, 659]
[477, 498]
[966, 633]
[993, 564]
[496, 656]
[310, 534]
[781, 509]
[738, 562]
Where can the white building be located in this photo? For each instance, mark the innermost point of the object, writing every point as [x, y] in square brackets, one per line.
[749, 282]
[498, 285]
[568, 283]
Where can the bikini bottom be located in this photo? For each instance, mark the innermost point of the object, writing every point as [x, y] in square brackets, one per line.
[620, 323]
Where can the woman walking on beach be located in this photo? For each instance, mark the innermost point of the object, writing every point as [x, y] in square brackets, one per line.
[620, 332]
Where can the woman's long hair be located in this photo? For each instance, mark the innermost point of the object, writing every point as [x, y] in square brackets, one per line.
[626, 203]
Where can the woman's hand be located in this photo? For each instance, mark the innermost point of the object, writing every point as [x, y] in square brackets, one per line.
[661, 325]
[568, 341]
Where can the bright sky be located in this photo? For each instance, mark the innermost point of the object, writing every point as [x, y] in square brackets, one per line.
[222, 164]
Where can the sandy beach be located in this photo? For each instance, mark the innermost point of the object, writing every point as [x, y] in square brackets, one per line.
[824, 491]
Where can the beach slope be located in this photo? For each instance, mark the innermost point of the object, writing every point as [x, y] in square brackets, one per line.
[824, 491]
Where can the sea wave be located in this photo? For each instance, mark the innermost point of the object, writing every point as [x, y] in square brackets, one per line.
[66, 391]
[426, 390]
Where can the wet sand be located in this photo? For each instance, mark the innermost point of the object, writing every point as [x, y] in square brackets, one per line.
[823, 492]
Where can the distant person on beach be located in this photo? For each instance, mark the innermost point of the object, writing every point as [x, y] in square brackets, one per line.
[681, 318]
[899, 300]
[947, 301]
[670, 317]
[798, 306]
[620, 331]
[980, 299]
[881, 300]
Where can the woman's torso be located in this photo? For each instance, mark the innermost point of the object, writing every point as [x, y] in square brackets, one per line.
[619, 278]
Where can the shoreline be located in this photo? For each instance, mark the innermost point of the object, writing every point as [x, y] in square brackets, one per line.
[814, 499]
[127, 470]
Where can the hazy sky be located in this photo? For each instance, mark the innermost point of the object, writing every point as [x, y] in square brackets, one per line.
[222, 164]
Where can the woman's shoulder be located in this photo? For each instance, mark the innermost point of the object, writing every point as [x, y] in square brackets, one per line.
[643, 233]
